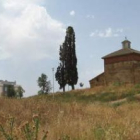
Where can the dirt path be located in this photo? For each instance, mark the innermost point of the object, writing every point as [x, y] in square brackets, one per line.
[124, 100]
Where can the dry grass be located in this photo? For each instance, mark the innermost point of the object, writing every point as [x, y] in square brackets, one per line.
[74, 119]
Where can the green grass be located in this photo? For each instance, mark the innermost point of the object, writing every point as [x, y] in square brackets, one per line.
[102, 96]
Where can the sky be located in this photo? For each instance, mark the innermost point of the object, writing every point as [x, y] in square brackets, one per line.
[31, 32]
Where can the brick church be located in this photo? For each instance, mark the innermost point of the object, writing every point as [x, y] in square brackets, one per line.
[122, 66]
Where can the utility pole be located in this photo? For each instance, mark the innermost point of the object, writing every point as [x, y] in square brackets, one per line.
[53, 78]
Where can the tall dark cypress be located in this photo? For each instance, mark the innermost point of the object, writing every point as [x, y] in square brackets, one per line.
[60, 74]
[67, 70]
[70, 58]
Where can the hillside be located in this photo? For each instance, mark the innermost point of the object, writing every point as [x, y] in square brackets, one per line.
[111, 113]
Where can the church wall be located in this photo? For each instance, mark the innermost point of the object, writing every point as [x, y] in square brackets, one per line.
[137, 73]
[116, 59]
[97, 81]
[122, 72]
[122, 66]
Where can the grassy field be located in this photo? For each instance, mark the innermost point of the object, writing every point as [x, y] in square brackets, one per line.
[88, 114]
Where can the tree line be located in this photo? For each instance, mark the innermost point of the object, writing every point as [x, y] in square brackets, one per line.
[66, 73]
[12, 92]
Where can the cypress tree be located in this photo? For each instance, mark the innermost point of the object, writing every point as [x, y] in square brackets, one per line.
[67, 70]
[60, 77]
[60, 74]
[70, 58]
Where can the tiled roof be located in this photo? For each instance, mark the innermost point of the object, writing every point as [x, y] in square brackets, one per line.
[121, 52]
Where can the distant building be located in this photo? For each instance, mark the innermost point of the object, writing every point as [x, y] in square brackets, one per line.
[4, 87]
[122, 66]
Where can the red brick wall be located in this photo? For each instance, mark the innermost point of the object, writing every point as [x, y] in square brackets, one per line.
[129, 57]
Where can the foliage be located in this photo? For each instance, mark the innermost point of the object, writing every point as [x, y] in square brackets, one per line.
[99, 133]
[44, 84]
[81, 84]
[8, 135]
[19, 92]
[67, 70]
[29, 131]
[66, 137]
[117, 104]
[137, 86]
[60, 74]
[118, 84]
[60, 77]
[11, 91]
[71, 60]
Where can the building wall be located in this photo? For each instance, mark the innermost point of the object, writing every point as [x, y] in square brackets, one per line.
[137, 73]
[1, 90]
[4, 88]
[123, 58]
[97, 81]
[119, 69]
[122, 72]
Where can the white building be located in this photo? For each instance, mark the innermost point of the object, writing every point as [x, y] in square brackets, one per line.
[4, 87]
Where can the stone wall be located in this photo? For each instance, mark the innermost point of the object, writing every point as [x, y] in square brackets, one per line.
[119, 69]
[97, 81]
[136, 73]
[123, 72]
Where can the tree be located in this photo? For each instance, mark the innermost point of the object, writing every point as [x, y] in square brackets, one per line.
[67, 70]
[81, 84]
[20, 91]
[60, 74]
[11, 91]
[44, 84]
[60, 77]
[70, 58]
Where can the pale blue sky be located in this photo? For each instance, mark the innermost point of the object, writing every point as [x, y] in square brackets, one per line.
[31, 32]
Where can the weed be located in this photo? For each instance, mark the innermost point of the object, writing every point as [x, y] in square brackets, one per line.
[8, 134]
[29, 131]
[137, 86]
[118, 84]
[99, 133]
[131, 98]
[117, 104]
[66, 137]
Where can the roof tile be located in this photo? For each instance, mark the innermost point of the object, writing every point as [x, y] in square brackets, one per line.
[121, 52]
